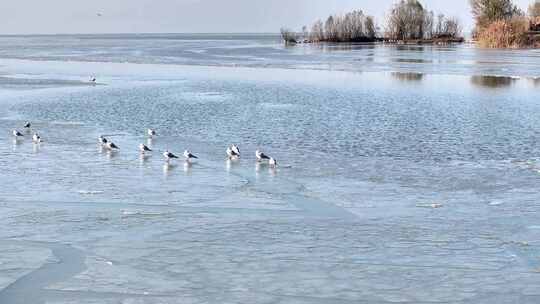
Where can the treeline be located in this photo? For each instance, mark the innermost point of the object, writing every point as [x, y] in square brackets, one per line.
[407, 20]
[351, 27]
[501, 24]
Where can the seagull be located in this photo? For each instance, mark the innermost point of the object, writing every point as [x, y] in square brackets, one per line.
[272, 162]
[144, 148]
[231, 153]
[27, 125]
[235, 149]
[151, 132]
[102, 140]
[93, 79]
[260, 155]
[36, 138]
[111, 146]
[17, 133]
[188, 155]
[168, 155]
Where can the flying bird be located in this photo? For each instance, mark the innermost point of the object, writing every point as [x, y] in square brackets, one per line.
[168, 155]
[188, 155]
[144, 148]
[261, 156]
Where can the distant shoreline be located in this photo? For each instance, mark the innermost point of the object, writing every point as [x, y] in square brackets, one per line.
[435, 41]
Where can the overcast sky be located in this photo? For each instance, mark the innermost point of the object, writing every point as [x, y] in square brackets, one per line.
[168, 16]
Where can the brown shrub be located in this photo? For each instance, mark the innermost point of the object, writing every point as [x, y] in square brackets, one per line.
[510, 33]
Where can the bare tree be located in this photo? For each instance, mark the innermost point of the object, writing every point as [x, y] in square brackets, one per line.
[317, 31]
[288, 36]
[534, 9]
[305, 32]
[488, 11]
[406, 20]
[369, 27]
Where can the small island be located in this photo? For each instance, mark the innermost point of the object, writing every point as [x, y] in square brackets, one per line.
[498, 24]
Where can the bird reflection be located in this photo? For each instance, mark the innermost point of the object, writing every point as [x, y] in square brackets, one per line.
[111, 154]
[187, 167]
[167, 169]
[228, 165]
[143, 158]
[16, 142]
[36, 147]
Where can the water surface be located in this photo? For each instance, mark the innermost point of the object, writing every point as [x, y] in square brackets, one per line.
[407, 174]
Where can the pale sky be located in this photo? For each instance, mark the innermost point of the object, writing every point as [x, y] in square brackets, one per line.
[182, 16]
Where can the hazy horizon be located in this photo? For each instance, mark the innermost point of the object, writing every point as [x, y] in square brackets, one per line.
[193, 16]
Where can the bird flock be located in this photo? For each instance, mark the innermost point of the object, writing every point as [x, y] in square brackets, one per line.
[232, 152]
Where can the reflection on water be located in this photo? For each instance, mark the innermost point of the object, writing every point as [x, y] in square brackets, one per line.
[415, 48]
[168, 167]
[535, 81]
[412, 60]
[143, 157]
[16, 142]
[111, 154]
[492, 81]
[36, 147]
[187, 167]
[408, 76]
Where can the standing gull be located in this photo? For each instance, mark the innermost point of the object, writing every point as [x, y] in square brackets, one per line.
[188, 155]
[272, 162]
[102, 140]
[144, 148]
[261, 156]
[231, 153]
[168, 155]
[111, 146]
[236, 149]
[27, 125]
[36, 138]
[17, 134]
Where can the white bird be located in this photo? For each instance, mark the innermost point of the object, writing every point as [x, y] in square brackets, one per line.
[272, 162]
[168, 155]
[231, 153]
[102, 140]
[144, 148]
[27, 125]
[93, 79]
[236, 149]
[17, 133]
[111, 146]
[188, 155]
[260, 155]
[36, 138]
[151, 132]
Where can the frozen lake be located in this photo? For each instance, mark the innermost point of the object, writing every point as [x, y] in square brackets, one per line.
[407, 174]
